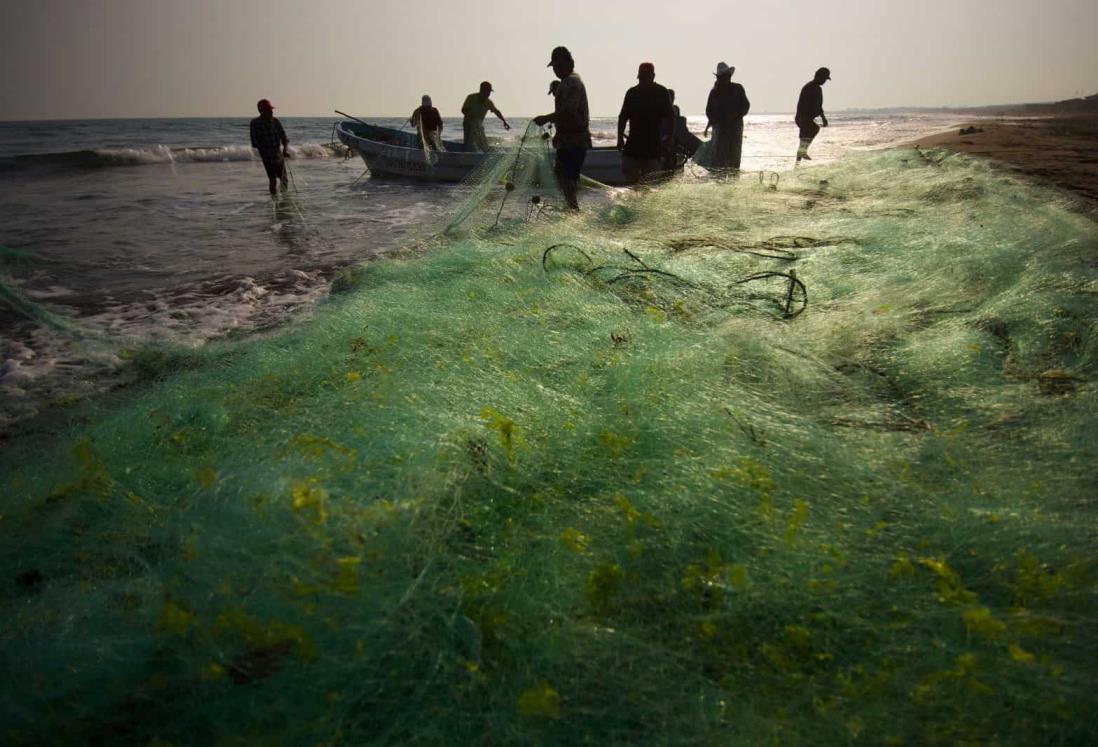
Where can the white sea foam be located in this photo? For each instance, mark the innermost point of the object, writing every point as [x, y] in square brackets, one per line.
[160, 154]
[44, 366]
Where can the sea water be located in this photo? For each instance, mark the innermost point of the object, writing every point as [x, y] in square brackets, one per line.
[162, 230]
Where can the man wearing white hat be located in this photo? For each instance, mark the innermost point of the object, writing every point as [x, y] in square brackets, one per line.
[725, 110]
[428, 122]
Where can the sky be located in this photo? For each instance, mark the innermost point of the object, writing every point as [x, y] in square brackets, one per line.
[72, 59]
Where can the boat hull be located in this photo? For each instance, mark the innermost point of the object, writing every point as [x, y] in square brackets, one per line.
[393, 153]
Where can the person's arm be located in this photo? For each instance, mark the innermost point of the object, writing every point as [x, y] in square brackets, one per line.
[623, 117]
[414, 119]
[251, 129]
[285, 140]
[710, 111]
[820, 106]
[560, 112]
[503, 119]
[669, 127]
[739, 103]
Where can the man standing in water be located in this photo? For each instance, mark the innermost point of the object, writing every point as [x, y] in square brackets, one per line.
[428, 122]
[572, 119]
[270, 140]
[809, 106]
[725, 110]
[647, 110]
[475, 109]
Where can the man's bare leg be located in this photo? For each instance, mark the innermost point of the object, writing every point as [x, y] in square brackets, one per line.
[802, 152]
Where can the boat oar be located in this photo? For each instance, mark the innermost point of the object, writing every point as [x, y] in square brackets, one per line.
[348, 116]
[584, 179]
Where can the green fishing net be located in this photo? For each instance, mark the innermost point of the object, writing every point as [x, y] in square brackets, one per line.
[793, 459]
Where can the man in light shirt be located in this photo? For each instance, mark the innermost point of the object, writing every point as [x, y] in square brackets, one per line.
[572, 120]
[475, 109]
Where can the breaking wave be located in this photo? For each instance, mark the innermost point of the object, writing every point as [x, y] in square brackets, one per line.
[155, 155]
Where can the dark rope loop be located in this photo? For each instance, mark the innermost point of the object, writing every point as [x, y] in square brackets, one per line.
[794, 282]
[545, 255]
[647, 271]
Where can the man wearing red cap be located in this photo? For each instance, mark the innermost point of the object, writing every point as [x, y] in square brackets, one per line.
[647, 110]
[270, 140]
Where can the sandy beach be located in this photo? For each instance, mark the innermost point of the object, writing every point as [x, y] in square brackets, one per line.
[1061, 150]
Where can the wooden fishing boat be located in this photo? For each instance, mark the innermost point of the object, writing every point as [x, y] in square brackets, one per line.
[396, 153]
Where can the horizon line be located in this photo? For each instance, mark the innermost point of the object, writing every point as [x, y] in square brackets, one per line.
[848, 110]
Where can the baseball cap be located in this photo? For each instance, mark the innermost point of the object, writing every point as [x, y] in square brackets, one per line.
[825, 72]
[559, 53]
[263, 104]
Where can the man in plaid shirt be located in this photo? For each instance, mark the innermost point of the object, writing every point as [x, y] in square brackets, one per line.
[270, 140]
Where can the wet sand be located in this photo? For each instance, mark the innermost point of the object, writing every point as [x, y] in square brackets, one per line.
[1062, 150]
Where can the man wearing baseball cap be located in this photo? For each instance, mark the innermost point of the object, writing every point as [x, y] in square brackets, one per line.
[475, 109]
[270, 140]
[572, 120]
[809, 106]
[648, 113]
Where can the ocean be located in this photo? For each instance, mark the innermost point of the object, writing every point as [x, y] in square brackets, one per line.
[162, 231]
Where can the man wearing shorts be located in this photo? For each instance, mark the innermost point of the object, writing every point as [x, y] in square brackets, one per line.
[809, 106]
[270, 140]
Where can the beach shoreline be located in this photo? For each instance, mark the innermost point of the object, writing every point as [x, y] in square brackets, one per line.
[1061, 150]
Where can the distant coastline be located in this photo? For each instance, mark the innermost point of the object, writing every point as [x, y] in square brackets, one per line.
[1086, 105]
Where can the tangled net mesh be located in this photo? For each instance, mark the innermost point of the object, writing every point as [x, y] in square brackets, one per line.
[712, 463]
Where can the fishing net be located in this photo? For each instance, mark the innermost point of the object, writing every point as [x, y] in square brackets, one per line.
[519, 180]
[806, 460]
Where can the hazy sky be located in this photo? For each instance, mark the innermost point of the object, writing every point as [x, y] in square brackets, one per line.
[160, 58]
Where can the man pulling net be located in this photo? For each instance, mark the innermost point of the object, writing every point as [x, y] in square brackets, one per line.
[475, 109]
[572, 119]
[428, 122]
